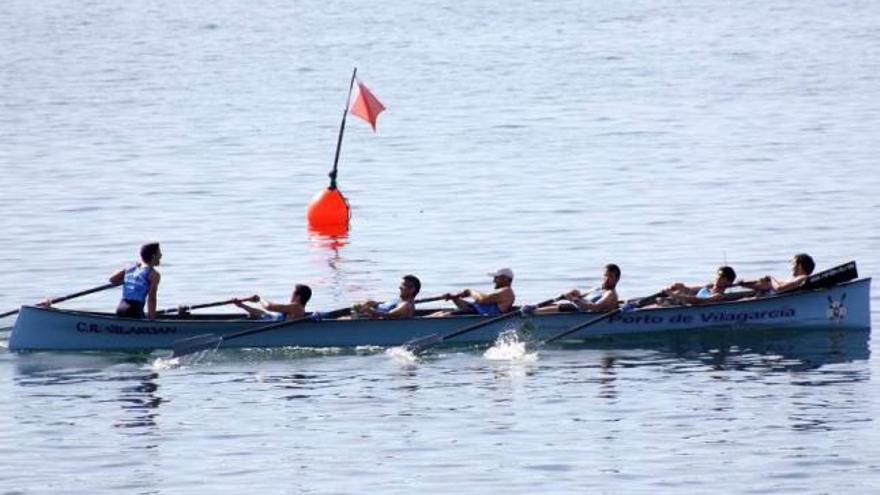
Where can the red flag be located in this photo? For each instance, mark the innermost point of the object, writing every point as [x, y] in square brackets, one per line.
[366, 105]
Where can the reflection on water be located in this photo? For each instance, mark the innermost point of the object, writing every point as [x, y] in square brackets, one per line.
[136, 388]
[332, 239]
[142, 401]
[770, 349]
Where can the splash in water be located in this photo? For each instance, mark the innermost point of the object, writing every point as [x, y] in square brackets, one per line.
[509, 347]
[402, 355]
[166, 363]
[170, 362]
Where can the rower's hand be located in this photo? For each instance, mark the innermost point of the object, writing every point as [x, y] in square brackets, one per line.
[253, 298]
[46, 303]
[573, 294]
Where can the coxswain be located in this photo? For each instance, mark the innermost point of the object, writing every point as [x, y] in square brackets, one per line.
[140, 284]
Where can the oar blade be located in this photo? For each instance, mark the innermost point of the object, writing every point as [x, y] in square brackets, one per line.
[418, 345]
[832, 276]
[192, 345]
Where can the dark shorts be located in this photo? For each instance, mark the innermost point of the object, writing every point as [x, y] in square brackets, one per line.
[130, 309]
[568, 308]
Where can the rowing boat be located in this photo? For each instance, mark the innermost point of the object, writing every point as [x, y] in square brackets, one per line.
[844, 306]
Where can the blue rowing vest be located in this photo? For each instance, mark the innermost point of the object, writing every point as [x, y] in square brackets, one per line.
[273, 316]
[136, 284]
[704, 293]
[594, 296]
[490, 309]
[385, 308]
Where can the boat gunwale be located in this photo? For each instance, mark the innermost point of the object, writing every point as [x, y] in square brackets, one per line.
[229, 317]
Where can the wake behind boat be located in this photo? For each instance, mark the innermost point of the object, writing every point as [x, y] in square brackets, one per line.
[845, 306]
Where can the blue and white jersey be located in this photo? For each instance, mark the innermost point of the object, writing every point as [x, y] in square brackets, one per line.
[136, 283]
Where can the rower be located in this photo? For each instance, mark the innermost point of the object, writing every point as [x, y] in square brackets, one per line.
[802, 266]
[402, 307]
[603, 299]
[140, 284]
[272, 311]
[679, 293]
[494, 303]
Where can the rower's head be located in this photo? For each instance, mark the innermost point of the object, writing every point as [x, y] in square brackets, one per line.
[301, 294]
[802, 264]
[151, 254]
[503, 277]
[410, 285]
[724, 278]
[610, 277]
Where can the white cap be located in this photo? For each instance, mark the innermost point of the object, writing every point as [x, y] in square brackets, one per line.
[502, 272]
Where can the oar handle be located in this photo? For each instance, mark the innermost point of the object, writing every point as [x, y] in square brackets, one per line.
[68, 297]
[429, 299]
[252, 298]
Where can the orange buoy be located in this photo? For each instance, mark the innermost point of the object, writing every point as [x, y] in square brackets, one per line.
[328, 211]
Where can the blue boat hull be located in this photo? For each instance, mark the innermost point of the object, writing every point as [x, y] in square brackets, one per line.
[843, 307]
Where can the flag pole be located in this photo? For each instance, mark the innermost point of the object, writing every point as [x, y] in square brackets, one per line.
[341, 130]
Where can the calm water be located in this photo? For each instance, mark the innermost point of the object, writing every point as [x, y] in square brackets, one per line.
[668, 137]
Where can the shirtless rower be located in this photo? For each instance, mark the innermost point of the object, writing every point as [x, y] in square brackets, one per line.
[679, 293]
[603, 299]
[402, 307]
[272, 311]
[494, 303]
[802, 266]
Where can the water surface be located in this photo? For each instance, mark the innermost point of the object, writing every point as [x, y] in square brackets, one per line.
[552, 138]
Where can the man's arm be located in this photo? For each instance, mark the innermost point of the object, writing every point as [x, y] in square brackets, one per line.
[607, 302]
[788, 285]
[403, 310]
[155, 278]
[499, 297]
[253, 313]
[286, 308]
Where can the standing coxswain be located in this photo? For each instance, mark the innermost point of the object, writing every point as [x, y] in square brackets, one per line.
[140, 284]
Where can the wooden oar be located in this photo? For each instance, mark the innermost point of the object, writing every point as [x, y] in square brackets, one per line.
[166, 311]
[629, 306]
[207, 341]
[67, 297]
[418, 345]
[580, 327]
